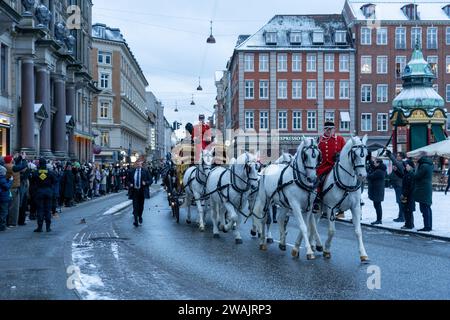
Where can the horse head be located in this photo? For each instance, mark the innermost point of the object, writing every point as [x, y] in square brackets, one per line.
[249, 163]
[309, 157]
[357, 156]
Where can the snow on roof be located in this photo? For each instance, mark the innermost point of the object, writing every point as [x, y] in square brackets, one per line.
[307, 24]
[392, 10]
[427, 95]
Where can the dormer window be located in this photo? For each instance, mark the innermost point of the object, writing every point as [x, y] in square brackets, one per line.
[447, 10]
[368, 10]
[340, 37]
[318, 37]
[295, 37]
[410, 10]
[271, 38]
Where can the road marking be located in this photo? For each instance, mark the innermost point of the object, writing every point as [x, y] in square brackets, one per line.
[82, 237]
[76, 236]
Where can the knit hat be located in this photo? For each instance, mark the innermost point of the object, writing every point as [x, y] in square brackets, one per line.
[8, 159]
[2, 171]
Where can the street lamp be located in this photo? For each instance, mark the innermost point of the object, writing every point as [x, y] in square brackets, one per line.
[192, 102]
[211, 39]
[199, 88]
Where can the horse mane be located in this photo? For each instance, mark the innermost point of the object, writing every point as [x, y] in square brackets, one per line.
[348, 146]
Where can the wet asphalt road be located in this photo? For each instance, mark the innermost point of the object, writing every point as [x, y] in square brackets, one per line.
[163, 260]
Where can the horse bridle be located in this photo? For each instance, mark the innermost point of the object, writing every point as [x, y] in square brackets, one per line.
[304, 157]
[247, 169]
[352, 155]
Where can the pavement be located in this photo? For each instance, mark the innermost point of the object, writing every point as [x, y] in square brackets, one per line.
[440, 208]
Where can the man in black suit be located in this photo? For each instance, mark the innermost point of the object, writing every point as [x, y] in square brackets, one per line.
[138, 181]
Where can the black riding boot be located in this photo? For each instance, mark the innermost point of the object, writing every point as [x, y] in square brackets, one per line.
[47, 225]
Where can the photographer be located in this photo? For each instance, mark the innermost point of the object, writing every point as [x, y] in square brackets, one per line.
[376, 184]
[407, 199]
[396, 179]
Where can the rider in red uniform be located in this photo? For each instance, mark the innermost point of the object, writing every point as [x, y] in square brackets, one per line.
[201, 136]
[330, 145]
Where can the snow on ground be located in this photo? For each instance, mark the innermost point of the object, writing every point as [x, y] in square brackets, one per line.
[440, 209]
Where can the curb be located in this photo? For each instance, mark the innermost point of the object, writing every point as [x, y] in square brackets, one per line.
[399, 231]
[126, 204]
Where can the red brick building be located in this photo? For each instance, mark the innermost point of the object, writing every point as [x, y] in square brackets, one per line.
[291, 76]
[384, 34]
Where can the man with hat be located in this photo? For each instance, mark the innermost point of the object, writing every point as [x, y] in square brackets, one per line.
[43, 180]
[201, 136]
[330, 145]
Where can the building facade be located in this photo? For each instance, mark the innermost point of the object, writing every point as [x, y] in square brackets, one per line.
[291, 77]
[119, 116]
[384, 35]
[46, 86]
[156, 129]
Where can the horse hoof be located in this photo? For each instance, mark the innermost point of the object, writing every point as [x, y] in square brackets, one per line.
[216, 236]
[319, 249]
[263, 247]
[269, 240]
[365, 260]
[295, 253]
[282, 247]
[202, 229]
[253, 233]
[188, 221]
[239, 241]
[310, 257]
[327, 255]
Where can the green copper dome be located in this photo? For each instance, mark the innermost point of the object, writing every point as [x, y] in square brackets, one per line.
[418, 89]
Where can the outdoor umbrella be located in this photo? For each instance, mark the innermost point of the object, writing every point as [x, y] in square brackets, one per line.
[440, 149]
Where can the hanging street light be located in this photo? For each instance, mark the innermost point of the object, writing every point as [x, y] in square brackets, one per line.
[199, 88]
[192, 102]
[211, 38]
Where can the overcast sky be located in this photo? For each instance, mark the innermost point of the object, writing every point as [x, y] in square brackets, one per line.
[169, 40]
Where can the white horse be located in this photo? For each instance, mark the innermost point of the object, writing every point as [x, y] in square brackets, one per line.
[290, 187]
[194, 182]
[342, 191]
[230, 188]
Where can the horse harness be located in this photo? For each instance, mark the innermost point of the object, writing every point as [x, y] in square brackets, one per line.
[338, 182]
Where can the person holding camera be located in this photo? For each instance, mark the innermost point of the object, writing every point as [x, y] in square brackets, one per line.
[407, 199]
[396, 179]
[376, 185]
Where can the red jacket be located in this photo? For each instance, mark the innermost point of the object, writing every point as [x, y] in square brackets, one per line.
[329, 147]
[202, 138]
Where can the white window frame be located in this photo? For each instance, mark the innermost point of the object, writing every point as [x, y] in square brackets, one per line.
[369, 86]
[102, 108]
[295, 37]
[382, 122]
[297, 89]
[382, 36]
[311, 119]
[344, 126]
[400, 61]
[330, 89]
[432, 38]
[434, 60]
[400, 38]
[282, 89]
[311, 62]
[344, 62]
[249, 62]
[340, 37]
[282, 62]
[382, 93]
[309, 89]
[447, 64]
[330, 116]
[363, 59]
[366, 36]
[103, 81]
[271, 38]
[414, 36]
[264, 119]
[263, 62]
[382, 64]
[366, 117]
[296, 62]
[249, 120]
[104, 55]
[344, 90]
[297, 120]
[282, 120]
[447, 35]
[265, 88]
[447, 93]
[329, 62]
[249, 86]
[318, 37]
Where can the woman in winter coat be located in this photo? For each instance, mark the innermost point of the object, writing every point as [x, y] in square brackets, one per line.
[407, 199]
[376, 185]
[5, 197]
[68, 184]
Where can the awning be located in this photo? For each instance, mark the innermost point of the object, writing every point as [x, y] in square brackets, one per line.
[345, 116]
[83, 136]
[438, 133]
[440, 149]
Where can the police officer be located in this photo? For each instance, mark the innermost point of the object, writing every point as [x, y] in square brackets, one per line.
[44, 181]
